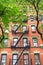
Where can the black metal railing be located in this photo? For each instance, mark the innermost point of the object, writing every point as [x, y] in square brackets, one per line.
[20, 44]
[19, 32]
[20, 62]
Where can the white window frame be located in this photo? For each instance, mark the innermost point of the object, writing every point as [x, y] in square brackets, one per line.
[15, 27]
[33, 28]
[26, 59]
[35, 43]
[6, 41]
[15, 41]
[25, 41]
[14, 59]
[4, 59]
[37, 60]
[31, 17]
[24, 28]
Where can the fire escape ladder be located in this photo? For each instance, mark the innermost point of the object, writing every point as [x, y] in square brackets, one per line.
[19, 39]
[21, 54]
[16, 29]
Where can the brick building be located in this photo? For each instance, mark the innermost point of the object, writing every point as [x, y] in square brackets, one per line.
[23, 47]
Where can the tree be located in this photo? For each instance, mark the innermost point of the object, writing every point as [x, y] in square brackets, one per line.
[37, 4]
[10, 10]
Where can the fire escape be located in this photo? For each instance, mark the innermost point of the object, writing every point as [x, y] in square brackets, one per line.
[24, 48]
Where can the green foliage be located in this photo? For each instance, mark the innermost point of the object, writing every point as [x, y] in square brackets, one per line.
[10, 11]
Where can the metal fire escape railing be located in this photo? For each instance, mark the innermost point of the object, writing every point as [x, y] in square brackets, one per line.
[16, 29]
[21, 54]
[18, 42]
[21, 34]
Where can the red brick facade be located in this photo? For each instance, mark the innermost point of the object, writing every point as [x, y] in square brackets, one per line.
[27, 54]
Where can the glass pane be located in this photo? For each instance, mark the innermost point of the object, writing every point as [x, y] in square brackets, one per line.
[41, 17]
[25, 61]
[15, 27]
[3, 56]
[33, 28]
[35, 41]
[4, 59]
[14, 61]
[37, 60]
[3, 63]
[35, 44]
[31, 17]
[6, 41]
[24, 28]
[15, 41]
[15, 57]
[25, 56]
[25, 41]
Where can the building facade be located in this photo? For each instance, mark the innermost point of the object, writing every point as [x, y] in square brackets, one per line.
[24, 45]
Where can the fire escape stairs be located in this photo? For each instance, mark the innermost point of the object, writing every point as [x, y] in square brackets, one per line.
[18, 42]
[21, 54]
[14, 32]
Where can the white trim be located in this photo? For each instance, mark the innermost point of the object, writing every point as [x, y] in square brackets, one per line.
[36, 51]
[14, 52]
[26, 52]
[4, 52]
[41, 45]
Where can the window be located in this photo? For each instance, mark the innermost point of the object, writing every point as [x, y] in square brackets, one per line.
[35, 41]
[37, 59]
[25, 41]
[33, 28]
[15, 58]
[6, 41]
[26, 60]
[4, 59]
[15, 27]
[15, 41]
[6, 31]
[24, 28]
[40, 17]
[31, 17]
[31, 9]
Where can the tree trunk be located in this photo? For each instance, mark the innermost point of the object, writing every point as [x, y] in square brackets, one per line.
[37, 19]
[2, 33]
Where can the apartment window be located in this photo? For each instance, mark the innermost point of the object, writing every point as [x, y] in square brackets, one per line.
[6, 41]
[40, 17]
[24, 28]
[4, 59]
[31, 17]
[14, 59]
[26, 60]
[35, 41]
[6, 31]
[37, 59]
[15, 41]
[15, 27]
[33, 27]
[25, 41]
[31, 9]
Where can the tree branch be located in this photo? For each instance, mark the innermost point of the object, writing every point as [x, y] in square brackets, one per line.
[2, 34]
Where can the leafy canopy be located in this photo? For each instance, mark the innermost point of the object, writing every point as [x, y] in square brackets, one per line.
[12, 10]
